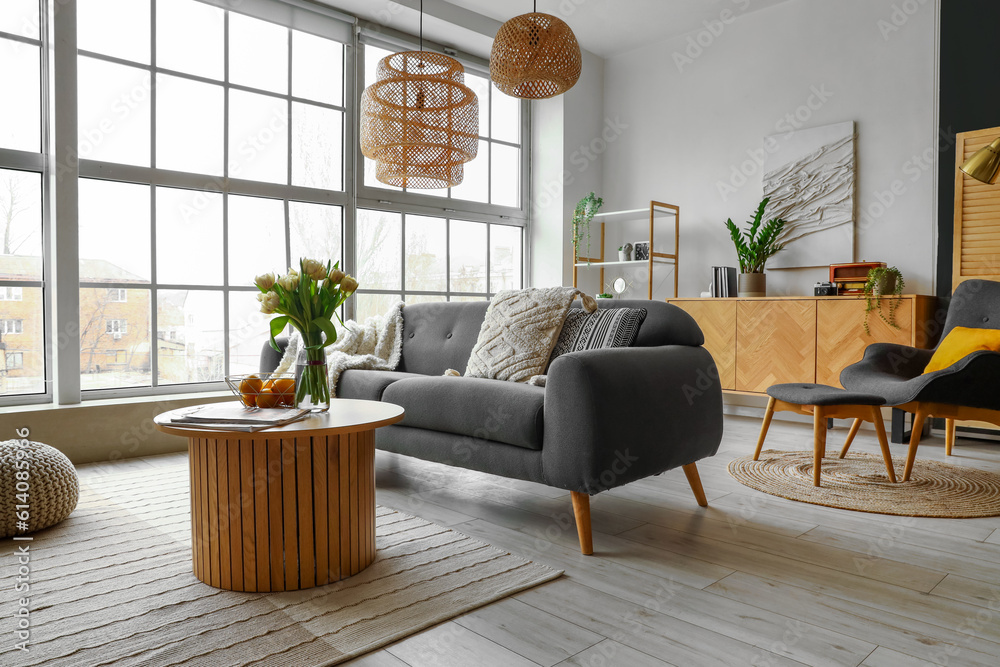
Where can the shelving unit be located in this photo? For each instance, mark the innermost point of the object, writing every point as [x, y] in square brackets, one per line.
[656, 209]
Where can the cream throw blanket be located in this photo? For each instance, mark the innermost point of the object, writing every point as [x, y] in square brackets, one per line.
[376, 345]
[519, 332]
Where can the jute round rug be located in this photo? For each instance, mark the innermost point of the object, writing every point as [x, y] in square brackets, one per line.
[859, 482]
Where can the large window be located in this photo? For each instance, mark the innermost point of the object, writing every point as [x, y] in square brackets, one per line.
[216, 140]
[224, 138]
[22, 119]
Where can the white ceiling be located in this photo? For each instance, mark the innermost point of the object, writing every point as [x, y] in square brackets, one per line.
[604, 27]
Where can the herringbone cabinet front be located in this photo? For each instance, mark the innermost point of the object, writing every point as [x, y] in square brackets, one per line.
[765, 341]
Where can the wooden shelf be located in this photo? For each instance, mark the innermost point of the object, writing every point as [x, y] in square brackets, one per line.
[638, 214]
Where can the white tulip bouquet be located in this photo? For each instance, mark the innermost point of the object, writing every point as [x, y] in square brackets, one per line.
[307, 299]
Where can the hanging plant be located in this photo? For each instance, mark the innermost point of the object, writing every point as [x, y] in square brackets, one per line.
[883, 282]
[584, 212]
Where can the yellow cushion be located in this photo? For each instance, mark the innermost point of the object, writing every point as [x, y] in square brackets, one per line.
[960, 343]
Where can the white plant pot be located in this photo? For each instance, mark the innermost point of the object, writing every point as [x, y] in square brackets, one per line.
[623, 256]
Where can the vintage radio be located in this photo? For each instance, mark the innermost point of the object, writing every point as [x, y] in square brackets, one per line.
[851, 278]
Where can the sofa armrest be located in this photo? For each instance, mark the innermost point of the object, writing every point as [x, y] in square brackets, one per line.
[613, 416]
[269, 357]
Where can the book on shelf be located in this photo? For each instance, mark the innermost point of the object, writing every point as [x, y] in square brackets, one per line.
[724, 282]
[235, 417]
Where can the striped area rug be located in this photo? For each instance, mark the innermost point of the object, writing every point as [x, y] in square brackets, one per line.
[113, 585]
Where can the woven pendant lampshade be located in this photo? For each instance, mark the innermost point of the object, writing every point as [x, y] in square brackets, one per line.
[535, 56]
[419, 121]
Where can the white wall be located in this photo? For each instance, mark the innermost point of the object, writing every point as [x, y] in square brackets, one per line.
[564, 170]
[692, 123]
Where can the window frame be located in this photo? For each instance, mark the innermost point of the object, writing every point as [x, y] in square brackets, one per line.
[61, 167]
[38, 163]
[290, 18]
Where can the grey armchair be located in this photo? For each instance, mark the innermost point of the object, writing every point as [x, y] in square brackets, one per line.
[969, 390]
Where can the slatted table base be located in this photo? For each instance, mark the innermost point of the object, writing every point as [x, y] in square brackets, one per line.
[282, 514]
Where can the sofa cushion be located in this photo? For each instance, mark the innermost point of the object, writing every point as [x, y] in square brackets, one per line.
[485, 410]
[439, 336]
[608, 327]
[368, 385]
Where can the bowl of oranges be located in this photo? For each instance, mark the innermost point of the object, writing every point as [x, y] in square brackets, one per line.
[264, 390]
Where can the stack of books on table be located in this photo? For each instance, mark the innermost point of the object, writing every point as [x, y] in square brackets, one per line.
[723, 281]
[235, 417]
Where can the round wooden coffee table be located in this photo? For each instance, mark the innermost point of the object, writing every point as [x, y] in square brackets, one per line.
[289, 507]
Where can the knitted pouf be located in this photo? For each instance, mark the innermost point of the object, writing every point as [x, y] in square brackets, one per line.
[52, 486]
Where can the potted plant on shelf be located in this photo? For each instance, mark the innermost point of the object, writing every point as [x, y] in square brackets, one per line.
[754, 247]
[584, 212]
[307, 299]
[625, 253]
[883, 283]
[605, 295]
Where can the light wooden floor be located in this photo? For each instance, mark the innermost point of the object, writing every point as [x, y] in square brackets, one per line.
[751, 580]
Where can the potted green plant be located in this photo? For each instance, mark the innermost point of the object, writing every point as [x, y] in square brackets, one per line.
[625, 253]
[754, 247]
[605, 295]
[584, 212]
[883, 283]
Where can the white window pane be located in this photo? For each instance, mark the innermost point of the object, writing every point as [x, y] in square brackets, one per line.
[114, 231]
[316, 231]
[373, 54]
[190, 37]
[426, 254]
[506, 168]
[114, 339]
[468, 298]
[258, 53]
[476, 184]
[506, 117]
[373, 305]
[380, 246]
[258, 137]
[468, 256]
[21, 218]
[256, 238]
[20, 17]
[426, 298]
[189, 125]
[317, 68]
[505, 258]
[248, 331]
[114, 104]
[24, 354]
[317, 147]
[189, 336]
[21, 112]
[481, 87]
[117, 28]
[188, 237]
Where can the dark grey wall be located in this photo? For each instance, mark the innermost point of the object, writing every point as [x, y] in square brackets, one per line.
[970, 100]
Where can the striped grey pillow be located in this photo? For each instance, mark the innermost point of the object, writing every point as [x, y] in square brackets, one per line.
[611, 327]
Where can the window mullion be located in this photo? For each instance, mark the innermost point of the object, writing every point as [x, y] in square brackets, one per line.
[64, 189]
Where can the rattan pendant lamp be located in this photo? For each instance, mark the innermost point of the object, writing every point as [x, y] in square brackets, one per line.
[419, 121]
[535, 56]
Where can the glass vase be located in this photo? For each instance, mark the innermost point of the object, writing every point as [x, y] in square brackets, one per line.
[312, 381]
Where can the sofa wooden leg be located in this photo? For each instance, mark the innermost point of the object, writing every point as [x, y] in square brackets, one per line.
[581, 509]
[949, 436]
[911, 455]
[850, 437]
[694, 479]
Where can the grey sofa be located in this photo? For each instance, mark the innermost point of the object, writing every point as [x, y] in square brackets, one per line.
[604, 419]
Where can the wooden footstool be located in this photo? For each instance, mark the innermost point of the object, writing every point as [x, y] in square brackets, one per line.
[823, 402]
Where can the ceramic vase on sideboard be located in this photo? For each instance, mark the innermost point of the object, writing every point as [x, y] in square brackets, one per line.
[752, 284]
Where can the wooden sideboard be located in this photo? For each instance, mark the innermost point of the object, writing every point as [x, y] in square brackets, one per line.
[757, 342]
